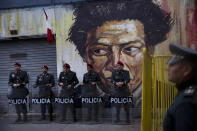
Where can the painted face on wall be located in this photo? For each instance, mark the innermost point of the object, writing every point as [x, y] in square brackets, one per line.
[116, 40]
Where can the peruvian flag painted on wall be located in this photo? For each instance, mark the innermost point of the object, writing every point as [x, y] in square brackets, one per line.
[49, 29]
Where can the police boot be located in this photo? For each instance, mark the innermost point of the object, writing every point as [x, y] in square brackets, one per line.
[19, 119]
[117, 118]
[74, 118]
[51, 117]
[96, 116]
[43, 117]
[63, 119]
[89, 117]
[128, 120]
[128, 117]
[25, 118]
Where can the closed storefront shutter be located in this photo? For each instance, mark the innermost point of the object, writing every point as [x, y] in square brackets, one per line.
[31, 54]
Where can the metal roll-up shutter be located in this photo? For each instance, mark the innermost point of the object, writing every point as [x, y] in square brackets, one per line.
[32, 54]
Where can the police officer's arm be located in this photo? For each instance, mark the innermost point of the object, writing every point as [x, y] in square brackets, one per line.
[60, 79]
[52, 81]
[98, 79]
[75, 80]
[11, 81]
[25, 79]
[185, 117]
[126, 77]
[84, 80]
[113, 81]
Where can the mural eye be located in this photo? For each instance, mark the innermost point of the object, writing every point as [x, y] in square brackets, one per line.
[100, 52]
[131, 50]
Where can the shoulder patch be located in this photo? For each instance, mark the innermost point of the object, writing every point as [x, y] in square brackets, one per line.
[189, 91]
[13, 75]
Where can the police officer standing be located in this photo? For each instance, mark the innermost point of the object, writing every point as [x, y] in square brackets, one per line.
[91, 80]
[182, 70]
[18, 79]
[45, 82]
[120, 79]
[67, 81]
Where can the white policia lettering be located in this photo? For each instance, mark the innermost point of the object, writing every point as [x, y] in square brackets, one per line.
[17, 101]
[121, 100]
[41, 101]
[64, 100]
[91, 100]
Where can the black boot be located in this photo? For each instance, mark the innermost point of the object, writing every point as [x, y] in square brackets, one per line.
[19, 119]
[43, 117]
[25, 118]
[128, 121]
[128, 117]
[74, 119]
[89, 117]
[63, 118]
[117, 117]
[96, 117]
[117, 120]
[51, 117]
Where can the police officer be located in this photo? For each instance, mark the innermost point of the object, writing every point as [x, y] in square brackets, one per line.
[67, 81]
[120, 79]
[91, 80]
[45, 82]
[18, 80]
[182, 70]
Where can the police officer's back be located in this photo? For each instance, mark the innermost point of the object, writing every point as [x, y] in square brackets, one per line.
[182, 70]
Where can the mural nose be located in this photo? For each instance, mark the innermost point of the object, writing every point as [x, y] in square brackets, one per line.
[114, 58]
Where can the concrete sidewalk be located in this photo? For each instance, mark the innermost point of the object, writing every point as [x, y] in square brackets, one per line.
[79, 126]
[71, 127]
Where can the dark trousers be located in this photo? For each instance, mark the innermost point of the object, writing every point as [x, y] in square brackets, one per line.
[43, 110]
[126, 108]
[21, 108]
[64, 110]
[95, 109]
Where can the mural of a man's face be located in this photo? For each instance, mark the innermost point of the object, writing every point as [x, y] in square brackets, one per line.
[116, 40]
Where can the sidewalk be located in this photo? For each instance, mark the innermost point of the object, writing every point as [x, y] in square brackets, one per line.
[71, 127]
[79, 126]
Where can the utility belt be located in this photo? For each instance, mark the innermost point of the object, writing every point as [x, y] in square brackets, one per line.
[43, 86]
[117, 87]
[65, 85]
[21, 86]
